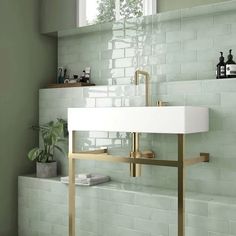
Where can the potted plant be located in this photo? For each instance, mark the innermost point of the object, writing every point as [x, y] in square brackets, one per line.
[53, 134]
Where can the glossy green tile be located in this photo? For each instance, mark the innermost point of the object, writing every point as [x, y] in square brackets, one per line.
[151, 227]
[176, 36]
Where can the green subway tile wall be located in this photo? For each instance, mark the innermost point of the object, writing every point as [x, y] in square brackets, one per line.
[117, 209]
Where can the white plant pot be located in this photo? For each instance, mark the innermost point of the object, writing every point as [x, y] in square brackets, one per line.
[46, 170]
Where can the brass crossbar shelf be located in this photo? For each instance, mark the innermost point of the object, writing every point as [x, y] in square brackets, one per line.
[134, 160]
[97, 156]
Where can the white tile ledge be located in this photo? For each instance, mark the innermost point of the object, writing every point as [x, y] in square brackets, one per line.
[145, 190]
[103, 87]
[90, 87]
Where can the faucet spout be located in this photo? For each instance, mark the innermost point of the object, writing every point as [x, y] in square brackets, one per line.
[147, 86]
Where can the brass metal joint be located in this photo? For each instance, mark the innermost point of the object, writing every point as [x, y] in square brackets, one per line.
[144, 154]
[161, 103]
[135, 154]
[206, 156]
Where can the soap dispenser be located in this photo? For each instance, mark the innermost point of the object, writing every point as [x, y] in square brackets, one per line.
[230, 66]
[220, 68]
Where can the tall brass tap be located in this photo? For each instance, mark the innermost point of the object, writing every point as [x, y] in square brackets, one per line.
[147, 84]
[135, 169]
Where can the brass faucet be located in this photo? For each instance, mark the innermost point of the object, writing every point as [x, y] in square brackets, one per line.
[135, 169]
[147, 89]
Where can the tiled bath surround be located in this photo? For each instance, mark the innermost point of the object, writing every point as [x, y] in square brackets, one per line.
[118, 209]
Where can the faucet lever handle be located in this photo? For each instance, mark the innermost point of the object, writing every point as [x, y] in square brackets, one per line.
[148, 154]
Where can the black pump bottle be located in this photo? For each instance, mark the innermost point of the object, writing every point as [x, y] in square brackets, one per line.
[221, 68]
[230, 58]
[230, 70]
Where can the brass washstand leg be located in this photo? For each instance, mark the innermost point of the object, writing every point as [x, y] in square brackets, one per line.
[181, 185]
[71, 186]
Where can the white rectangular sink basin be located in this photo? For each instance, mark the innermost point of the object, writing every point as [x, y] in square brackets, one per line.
[169, 119]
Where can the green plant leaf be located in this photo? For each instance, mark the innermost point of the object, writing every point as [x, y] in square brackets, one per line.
[35, 154]
[52, 134]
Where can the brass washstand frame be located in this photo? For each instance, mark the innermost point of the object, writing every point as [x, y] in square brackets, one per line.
[102, 155]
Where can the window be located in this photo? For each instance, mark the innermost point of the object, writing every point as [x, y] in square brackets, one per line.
[96, 11]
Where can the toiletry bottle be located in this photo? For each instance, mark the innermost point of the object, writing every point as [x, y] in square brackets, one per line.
[60, 77]
[87, 74]
[230, 66]
[220, 68]
[65, 75]
[82, 77]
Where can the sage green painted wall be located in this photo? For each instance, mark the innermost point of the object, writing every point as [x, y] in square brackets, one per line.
[167, 5]
[57, 15]
[27, 63]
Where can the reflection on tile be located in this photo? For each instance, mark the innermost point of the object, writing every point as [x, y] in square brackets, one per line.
[103, 102]
[124, 81]
[122, 44]
[126, 62]
[96, 91]
[117, 102]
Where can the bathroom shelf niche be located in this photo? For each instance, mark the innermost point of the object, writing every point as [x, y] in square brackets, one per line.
[201, 10]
